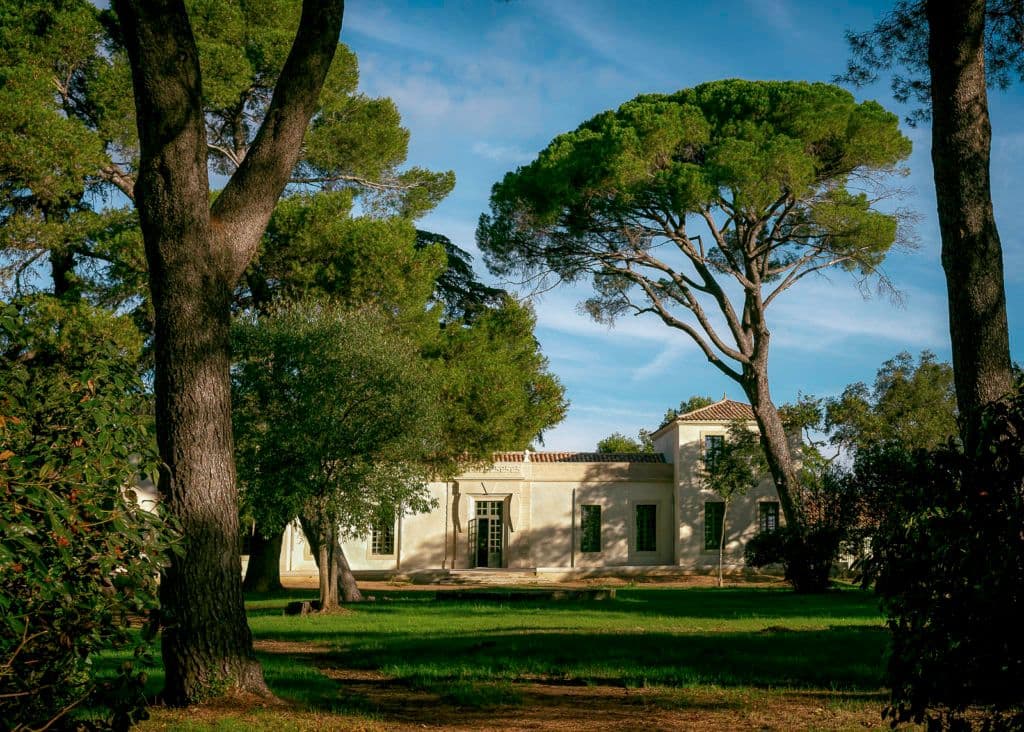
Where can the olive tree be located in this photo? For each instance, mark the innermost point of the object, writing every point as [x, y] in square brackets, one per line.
[704, 207]
[335, 415]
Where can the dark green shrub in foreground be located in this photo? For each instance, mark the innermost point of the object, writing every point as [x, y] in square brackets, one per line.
[78, 558]
[947, 561]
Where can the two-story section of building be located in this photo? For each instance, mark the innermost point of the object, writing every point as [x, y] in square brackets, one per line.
[565, 514]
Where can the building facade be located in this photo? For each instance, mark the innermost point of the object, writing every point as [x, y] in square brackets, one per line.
[572, 514]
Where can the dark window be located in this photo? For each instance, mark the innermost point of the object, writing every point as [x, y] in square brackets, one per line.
[768, 516]
[646, 527]
[382, 538]
[712, 449]
[714, 512]
[590, 528]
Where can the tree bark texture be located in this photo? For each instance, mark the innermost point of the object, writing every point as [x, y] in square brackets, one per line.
[336, 581]
[349, 588]
[775, 441]
[263, 573]
[195, 257]
[971, 252]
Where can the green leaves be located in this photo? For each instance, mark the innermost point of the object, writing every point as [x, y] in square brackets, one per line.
[78, 558]
[742, 148]
[325, 398]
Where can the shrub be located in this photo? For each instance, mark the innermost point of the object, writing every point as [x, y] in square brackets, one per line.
[806, 555]
[78, 558]
[829, 504]
[948, 563]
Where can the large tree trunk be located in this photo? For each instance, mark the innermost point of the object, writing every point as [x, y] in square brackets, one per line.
[971, 251]
[263, 573]
[195, 256]
[206, 641]
[775, 441]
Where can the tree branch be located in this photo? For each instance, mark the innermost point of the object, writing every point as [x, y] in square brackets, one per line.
[119, 179]
[240, 213]
[796, 274]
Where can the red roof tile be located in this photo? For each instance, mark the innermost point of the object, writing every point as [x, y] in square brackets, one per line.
[725, 410]
[581, 457]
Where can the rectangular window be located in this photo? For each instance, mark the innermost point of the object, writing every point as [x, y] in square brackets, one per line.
[768, 516]
[382, 538]
[712, 449]
[646, 527]
[590, 528]
[714, 512]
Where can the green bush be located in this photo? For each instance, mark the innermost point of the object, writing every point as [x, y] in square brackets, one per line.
[806, 555]
[78, 559]
[829, 504]
[947, 561]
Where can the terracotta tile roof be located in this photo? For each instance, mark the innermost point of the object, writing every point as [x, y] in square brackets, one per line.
[581, 457]
[725, 410]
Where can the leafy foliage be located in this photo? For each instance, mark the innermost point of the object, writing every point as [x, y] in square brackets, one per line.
[497, 391]
[948, 563]
[78, 558]
[70, 147]
[329, 403]
[898, 44]
[685, 406]
[620, 443]
[910, 405]
[805, 555]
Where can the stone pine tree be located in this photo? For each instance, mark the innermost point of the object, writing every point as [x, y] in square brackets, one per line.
[702, 208]
[944, 55]
[196, 253]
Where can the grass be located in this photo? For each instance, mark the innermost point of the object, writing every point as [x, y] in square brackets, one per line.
[727, 656]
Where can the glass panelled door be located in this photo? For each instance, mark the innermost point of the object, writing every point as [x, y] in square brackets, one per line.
[488, 539]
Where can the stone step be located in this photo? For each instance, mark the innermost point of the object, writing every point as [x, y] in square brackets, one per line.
[493, 576]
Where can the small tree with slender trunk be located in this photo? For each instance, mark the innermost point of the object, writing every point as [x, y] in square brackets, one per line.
[732, 469]
[335, 413]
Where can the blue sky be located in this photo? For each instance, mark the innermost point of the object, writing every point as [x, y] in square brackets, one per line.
[483, 86]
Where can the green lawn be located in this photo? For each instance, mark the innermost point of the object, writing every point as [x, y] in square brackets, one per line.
[737, 652]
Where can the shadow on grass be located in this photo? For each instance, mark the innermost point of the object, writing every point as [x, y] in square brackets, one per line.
[746, 643]
[838, 658]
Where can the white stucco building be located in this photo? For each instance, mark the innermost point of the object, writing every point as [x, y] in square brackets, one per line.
[569, 514]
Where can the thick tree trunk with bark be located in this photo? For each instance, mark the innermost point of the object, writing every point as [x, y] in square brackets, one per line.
[971, 251]
[775, 441]
[195, 257]
[263, 573]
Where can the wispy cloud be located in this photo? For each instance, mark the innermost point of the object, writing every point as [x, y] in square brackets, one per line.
[822, 315]
[779, 15]
[502, 153]
[629, 54]
[666, 358]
